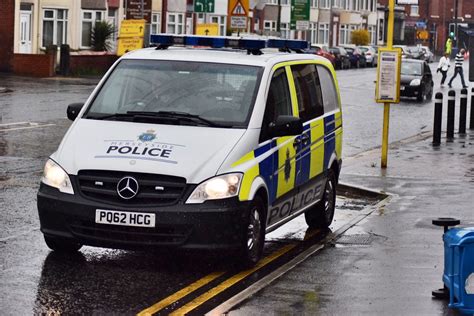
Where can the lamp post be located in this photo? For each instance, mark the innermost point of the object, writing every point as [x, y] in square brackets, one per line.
[456, 23]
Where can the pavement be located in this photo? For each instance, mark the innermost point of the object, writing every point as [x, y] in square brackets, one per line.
[389, 263]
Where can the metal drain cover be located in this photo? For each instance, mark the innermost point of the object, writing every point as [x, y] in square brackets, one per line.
[359, 239]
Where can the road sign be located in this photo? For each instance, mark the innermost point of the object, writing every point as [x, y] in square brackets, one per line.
[210, 29]
[134, 10]
[422, 35]
[238, 7]
[388, 76]
[238, 22]
[132, 28]
[128, 44]
[204, 6]
[299, 12]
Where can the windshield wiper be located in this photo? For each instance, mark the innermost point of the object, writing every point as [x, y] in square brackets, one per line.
[178, 115]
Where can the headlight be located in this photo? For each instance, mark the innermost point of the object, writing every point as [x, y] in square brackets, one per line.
[216, 188]
[415, 82]
[56, 177]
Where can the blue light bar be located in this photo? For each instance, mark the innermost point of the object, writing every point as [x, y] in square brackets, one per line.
[287, 44]
[251, 44]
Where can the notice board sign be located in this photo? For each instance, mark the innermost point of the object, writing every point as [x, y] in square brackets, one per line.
[138, 10]
[387, 89]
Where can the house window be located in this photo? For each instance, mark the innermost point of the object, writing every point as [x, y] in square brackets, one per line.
[344, 34]
[355, 5]
[269, 26]
[314, 3]
[155, 23]
[89, 18]
[175, 23]
[312, 35]
[372, 34]
[272, 1]
[323, 33]
[285, 30]
[54, 27]
[220, 20]
[414, 10]
[324, 4]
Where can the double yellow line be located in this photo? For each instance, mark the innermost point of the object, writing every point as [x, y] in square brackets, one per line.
[221, 287]
[195, 303]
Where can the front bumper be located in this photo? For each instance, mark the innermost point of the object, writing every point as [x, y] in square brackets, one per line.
[218, 224]
[409, 91]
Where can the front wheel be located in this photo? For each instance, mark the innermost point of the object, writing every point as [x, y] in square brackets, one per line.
[61, 245]
[322, 214]
[254, 235]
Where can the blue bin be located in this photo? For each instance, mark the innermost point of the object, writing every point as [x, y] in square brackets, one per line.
[458, 274]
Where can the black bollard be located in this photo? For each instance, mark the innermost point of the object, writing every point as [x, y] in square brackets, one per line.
[471, 124]
[463, 112]
[450, 123]
[438, 116]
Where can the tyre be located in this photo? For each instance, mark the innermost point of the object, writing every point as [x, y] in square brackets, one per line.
[253, 238]
[357, 64]
[322, 214]
[429, 95]
[61, 245]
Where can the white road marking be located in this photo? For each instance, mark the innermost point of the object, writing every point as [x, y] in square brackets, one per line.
[31, 125]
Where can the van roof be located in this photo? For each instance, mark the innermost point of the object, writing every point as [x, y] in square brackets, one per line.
[224, 56]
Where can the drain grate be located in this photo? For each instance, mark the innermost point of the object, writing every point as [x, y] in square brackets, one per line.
[359, 239]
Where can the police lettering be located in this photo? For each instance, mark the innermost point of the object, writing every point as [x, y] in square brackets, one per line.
[139, 151]
[290, 206]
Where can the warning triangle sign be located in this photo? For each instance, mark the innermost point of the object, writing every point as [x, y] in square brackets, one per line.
[239, 9]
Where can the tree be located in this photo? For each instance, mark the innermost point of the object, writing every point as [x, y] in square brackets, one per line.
[101, 35]
[360, 37]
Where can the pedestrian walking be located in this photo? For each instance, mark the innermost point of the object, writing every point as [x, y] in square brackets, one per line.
[458, 68]
[443, 66]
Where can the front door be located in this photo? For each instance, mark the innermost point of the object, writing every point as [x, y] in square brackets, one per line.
[25, 32]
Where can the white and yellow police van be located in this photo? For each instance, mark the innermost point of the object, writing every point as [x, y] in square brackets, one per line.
[206, 148]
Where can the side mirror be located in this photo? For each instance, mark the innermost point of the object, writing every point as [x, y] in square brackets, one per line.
[286, 125]
[73, 110]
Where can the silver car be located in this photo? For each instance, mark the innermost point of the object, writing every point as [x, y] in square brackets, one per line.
[370, 55]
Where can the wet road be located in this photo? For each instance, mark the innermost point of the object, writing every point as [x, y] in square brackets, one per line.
[98, 280]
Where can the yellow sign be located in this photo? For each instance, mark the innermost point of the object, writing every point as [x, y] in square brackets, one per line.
[132, 28]
[422, 35]
[238, 8]
[207, 29]
[127, 44]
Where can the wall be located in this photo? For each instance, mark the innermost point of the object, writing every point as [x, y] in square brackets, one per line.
[33, 65]
[91, 64]
[7, 14]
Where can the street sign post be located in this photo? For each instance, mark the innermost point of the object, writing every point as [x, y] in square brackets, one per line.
[299, 15]
[204, 6]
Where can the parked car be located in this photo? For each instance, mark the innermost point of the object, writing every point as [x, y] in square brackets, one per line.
[323, 50]
[356, 56]
[416, 52]
[429, 56]
[416, 79]
[370, 55]
[342, 58]
[405, 51]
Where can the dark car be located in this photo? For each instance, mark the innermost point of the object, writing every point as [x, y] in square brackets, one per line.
[342, 58]
[416, 79]
[416, 52]
[356, 56]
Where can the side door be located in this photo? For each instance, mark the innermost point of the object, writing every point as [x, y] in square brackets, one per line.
[310, 156]
[280, 101]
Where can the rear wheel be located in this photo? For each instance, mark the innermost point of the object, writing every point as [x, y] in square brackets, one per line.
[322, 214]
[61, 245]
[421, 95]
[254, 235]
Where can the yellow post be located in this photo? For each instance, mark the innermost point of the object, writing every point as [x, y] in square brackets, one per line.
[386, 108]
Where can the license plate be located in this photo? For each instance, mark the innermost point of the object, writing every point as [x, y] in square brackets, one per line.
[402, 88]
[124, 218]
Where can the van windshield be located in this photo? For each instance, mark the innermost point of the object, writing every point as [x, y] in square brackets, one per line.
[221, 94]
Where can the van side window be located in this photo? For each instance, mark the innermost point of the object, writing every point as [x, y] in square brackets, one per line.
[278, 101]
[308, 91]
[328, 88]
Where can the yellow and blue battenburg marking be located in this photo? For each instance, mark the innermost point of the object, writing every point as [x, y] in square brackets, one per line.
[279, 168]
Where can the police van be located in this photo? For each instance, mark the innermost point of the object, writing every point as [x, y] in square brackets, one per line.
[209, 144]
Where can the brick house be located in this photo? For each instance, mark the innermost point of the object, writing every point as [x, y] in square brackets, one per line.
[7, 25]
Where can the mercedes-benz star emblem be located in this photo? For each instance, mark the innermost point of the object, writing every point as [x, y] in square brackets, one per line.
[127, 188]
